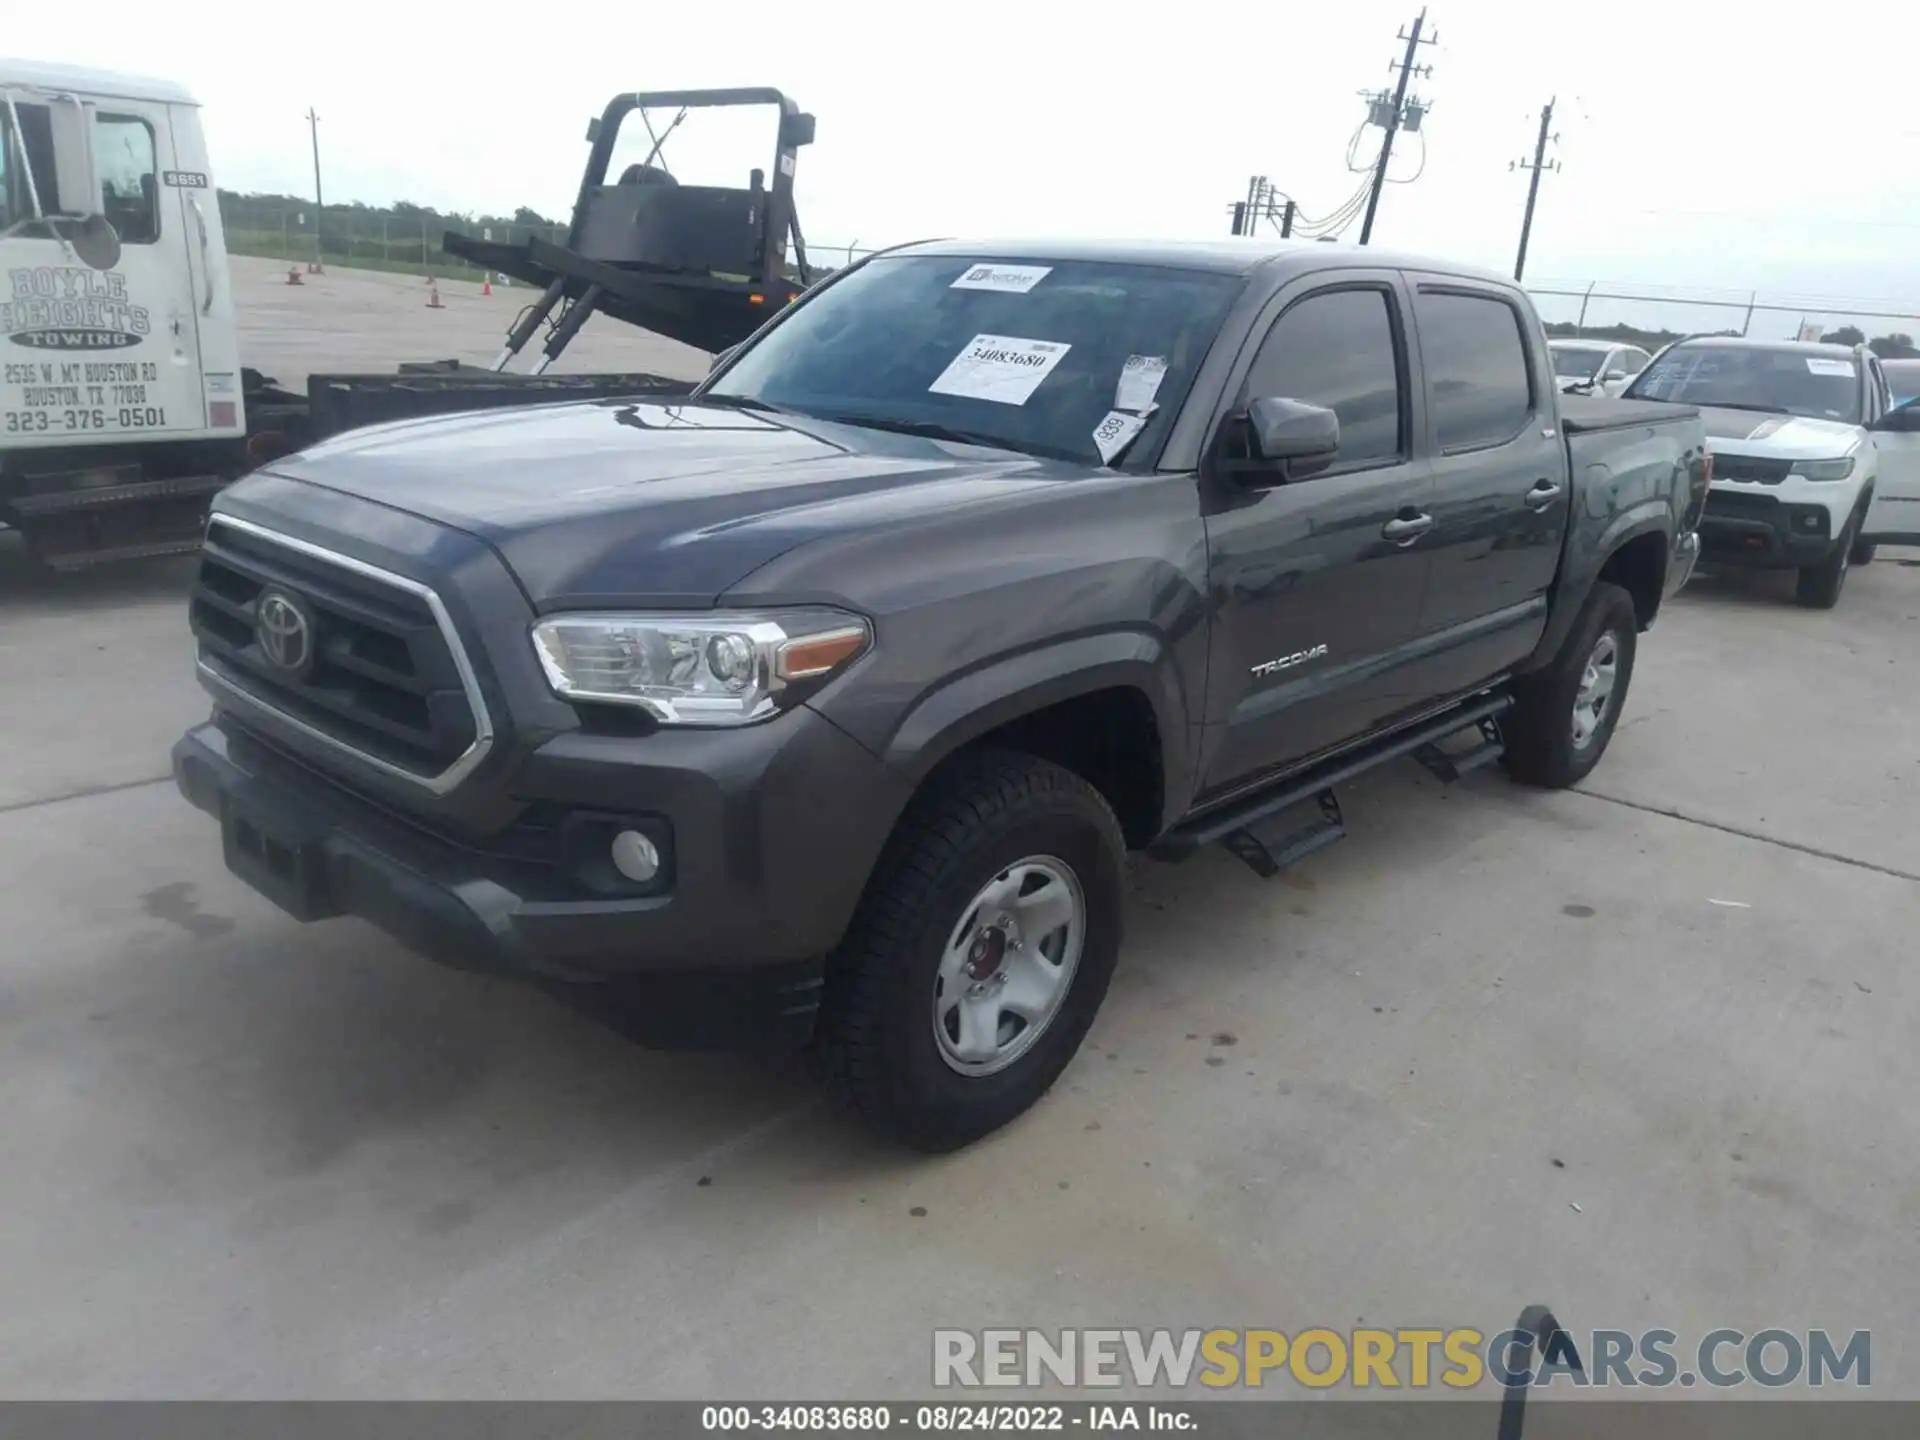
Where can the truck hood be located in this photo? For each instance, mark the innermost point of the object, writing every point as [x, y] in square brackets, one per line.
[1783, 437]
[637, 503]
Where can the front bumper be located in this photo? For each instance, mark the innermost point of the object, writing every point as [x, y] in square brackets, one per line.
[1742, 527]
[765, 854]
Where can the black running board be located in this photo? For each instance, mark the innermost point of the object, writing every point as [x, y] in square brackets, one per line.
[1256, 829]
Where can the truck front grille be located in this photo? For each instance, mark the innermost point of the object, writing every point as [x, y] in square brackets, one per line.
[378, 670]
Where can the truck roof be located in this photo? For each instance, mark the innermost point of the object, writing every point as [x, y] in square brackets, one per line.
[87, 81]
[1228, 256]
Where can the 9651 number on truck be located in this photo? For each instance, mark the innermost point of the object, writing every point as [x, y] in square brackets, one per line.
[824, 705]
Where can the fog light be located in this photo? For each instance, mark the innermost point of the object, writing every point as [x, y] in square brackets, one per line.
[635, 856]
[1809, 522]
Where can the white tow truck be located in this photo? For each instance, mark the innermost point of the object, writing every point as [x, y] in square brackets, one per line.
[123, 402]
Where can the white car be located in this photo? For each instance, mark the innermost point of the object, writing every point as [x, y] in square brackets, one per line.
[1813, 464]
[1595, 367]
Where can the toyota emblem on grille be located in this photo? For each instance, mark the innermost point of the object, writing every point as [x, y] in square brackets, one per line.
[284, 631]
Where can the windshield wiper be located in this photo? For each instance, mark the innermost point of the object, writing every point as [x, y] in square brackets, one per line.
[1740, 405]
[928, 429]
[744, 402]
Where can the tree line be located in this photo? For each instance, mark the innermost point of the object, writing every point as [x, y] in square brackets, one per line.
[1897, 346]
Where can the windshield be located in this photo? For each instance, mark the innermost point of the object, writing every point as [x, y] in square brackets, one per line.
[1793, 382]
[1577, 362]
[1031, 357]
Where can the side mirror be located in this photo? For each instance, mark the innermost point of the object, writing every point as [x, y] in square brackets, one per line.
[1901, 420]
[71, 124]
[1613, 375]
[1300, 438]
[93, 238]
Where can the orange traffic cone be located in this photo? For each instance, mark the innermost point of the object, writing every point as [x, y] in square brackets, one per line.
[486, 283]
[433, 297]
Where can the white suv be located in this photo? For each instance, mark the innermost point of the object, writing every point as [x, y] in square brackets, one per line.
[1595, 367]
[1813, 465]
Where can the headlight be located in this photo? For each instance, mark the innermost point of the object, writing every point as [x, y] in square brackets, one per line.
[1824, 469]
[698, 669]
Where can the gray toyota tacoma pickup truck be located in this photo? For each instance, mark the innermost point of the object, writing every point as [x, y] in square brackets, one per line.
[825, 705]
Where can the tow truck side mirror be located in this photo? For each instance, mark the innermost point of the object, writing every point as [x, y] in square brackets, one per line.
[1297, 438]
[78, 183]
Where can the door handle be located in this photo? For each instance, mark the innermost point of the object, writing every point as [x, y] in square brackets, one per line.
[1404, 530]
[1543, 494]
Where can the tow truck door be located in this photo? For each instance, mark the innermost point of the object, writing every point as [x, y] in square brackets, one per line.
[109, 355]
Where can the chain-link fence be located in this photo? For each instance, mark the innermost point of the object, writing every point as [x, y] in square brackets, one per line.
[358, 237]
[284, 228]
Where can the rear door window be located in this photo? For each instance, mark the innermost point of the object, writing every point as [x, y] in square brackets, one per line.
[1478, 376]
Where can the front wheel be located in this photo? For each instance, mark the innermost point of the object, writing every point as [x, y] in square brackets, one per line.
[1864, 551]
[1563, 716]
[1818, 586]
[979, 954]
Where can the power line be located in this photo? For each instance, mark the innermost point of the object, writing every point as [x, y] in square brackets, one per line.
[1538, 166]
[1397, 114]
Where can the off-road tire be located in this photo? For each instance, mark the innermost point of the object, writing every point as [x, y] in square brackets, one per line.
[1538, 730]
[1818, 586]
[875, 1042]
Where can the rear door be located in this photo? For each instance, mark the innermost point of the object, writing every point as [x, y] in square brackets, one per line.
[1500, 483]
[1314, 604]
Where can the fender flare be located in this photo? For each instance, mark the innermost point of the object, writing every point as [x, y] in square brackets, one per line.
[1007, 687]
[1580, 571]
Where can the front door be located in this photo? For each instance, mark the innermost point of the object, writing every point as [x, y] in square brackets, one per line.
[1501, 489]
[1316, 584]
[1894, 517]
[98, 355]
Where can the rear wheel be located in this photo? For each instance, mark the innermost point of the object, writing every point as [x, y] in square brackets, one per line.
[980, 952]
[1563, 716]
[1864, 551]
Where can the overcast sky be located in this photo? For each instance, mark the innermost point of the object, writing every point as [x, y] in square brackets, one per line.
[1706, 146]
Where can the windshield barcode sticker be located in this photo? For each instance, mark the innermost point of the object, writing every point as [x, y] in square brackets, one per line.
[1140, 381]
[1111, 435]
[1009, 279]
[1821, 366]
[1002, 368]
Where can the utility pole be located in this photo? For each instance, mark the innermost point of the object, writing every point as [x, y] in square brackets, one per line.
[1533, 183]
[1392, 120]
[319, 205]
